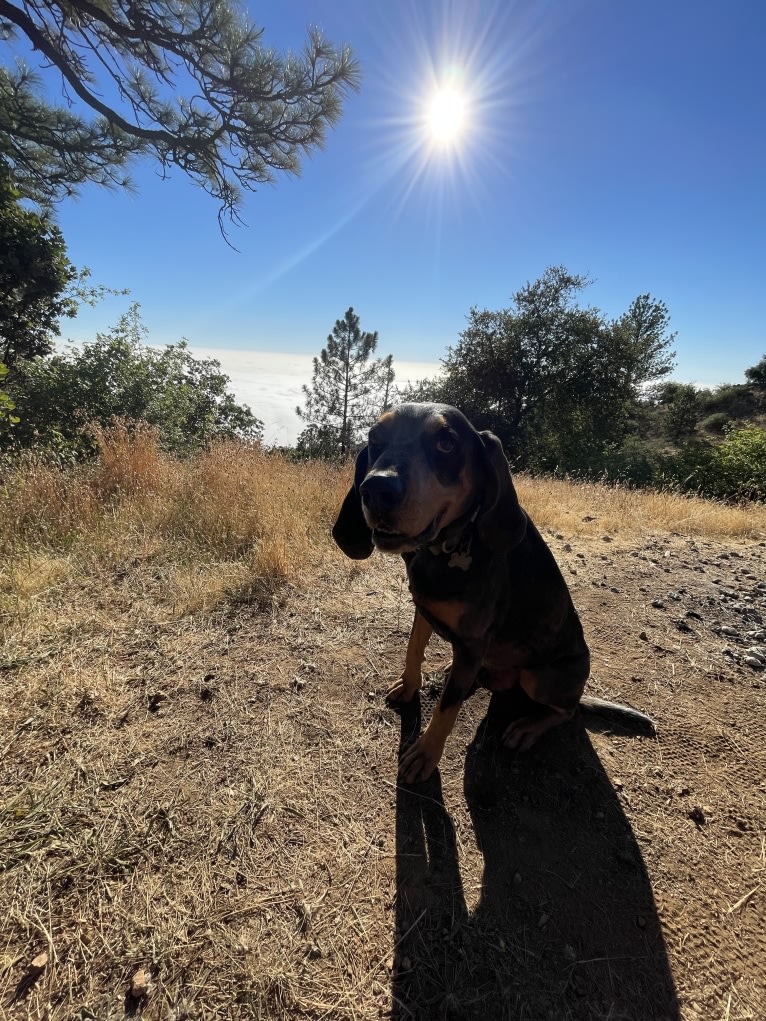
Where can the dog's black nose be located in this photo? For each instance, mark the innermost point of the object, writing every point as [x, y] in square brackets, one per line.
[381, 492]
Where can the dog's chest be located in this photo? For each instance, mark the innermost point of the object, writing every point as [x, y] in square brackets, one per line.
[455, 598]
[442, 576]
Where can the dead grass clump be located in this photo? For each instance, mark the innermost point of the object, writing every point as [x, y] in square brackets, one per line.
[44, 503]
[129, 458]
[234, 500]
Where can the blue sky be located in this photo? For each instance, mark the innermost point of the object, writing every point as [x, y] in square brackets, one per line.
[626, 141]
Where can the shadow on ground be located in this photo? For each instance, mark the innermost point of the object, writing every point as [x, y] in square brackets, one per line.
[565, 926]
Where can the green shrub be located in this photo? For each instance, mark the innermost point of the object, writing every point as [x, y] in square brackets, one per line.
[715, 423]
[738, 465]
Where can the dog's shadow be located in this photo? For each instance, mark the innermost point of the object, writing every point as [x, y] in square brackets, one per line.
[565, 925]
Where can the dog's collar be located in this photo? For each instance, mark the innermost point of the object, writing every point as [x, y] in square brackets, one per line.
[456, 540]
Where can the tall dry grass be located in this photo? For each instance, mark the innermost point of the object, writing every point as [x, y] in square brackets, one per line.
[233, 522]
[593, 509]
[240, 502]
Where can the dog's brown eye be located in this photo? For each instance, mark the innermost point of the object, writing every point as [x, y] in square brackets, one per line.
[445, 444]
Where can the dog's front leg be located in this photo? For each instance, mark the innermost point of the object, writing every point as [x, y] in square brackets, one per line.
[411, 680]
[420, 760]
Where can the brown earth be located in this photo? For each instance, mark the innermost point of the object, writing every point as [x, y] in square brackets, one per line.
[212, 801]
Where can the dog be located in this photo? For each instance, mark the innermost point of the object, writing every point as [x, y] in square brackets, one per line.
[432, 488]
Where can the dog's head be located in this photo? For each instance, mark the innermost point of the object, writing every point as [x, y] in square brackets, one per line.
[423, 468]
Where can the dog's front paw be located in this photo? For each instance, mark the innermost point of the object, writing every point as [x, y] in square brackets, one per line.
[418, 762]
[403, 690]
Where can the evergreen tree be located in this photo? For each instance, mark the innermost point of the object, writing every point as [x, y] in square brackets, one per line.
[347, 392]
[188, 82]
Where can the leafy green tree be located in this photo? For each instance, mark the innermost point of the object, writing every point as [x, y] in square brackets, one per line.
[7, 406]
[756, 374]
[118, 375]
[187, 82]
[35, 279]
[646, 344]
[555, 381]
[347, 392]
[682, 407]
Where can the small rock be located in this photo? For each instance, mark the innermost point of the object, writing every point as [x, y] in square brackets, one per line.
[730, 632]
[754, 663]
[38, 964]
[658, 604]
[675, 596]
[140, 984]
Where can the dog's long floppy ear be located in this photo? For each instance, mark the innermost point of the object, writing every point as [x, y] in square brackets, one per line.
[502, 523]
[351, 531]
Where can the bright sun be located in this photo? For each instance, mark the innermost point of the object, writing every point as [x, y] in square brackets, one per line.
[446, 115]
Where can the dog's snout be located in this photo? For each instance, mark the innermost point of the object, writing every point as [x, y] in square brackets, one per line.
[381, 492]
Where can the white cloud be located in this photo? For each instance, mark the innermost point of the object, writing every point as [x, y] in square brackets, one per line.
[270, 382]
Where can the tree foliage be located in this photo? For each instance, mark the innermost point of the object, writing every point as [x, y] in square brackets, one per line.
[557, 382]
[7, 406]
[35, 279]
[756, 374]
[188, 82]
[681, 405]
[119, 376]
[348, 391]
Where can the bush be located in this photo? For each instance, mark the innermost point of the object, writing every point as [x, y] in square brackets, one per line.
[738, 465]
[634, 461]
[715, 423]
[118, 376]
[734, 469]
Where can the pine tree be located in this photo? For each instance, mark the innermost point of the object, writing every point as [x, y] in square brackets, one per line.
[188, 82]
[347, 392]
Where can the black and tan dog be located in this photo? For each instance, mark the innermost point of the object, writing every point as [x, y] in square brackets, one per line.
[432, 488]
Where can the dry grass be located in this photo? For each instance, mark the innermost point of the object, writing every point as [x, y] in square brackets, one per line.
[591, 509]
[177, 794]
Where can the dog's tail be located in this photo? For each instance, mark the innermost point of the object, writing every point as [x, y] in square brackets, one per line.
[623, 715]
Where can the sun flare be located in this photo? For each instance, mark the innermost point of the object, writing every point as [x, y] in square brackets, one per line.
[446, 115]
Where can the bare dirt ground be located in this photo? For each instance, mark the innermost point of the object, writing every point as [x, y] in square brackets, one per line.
[210, 802]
